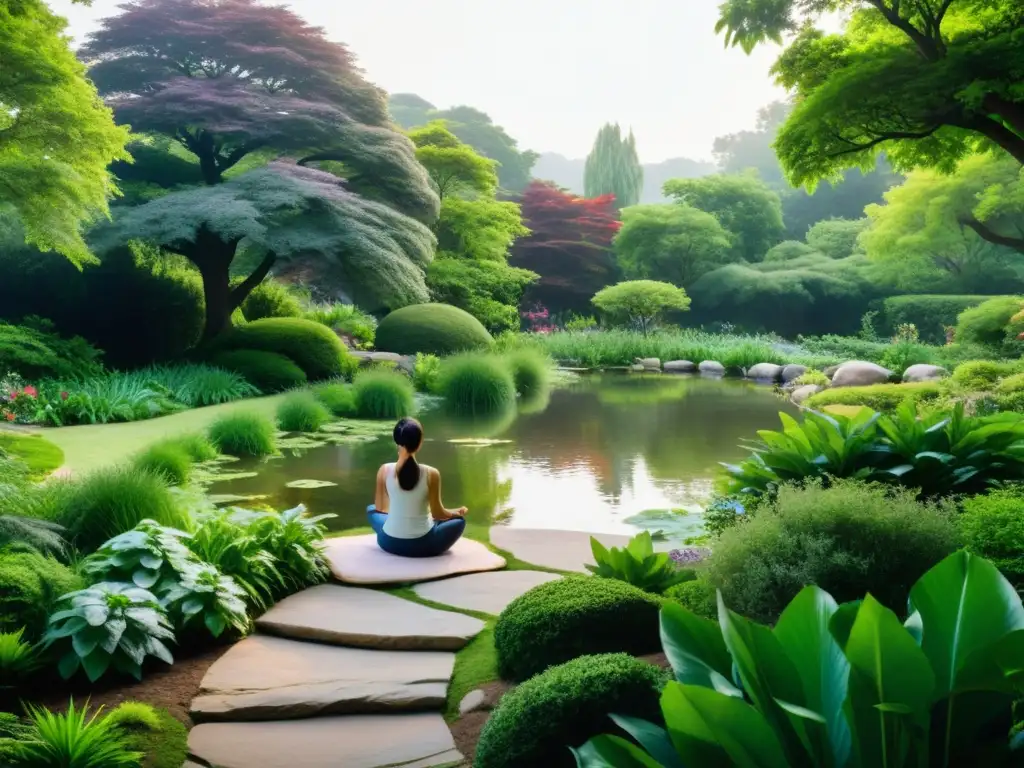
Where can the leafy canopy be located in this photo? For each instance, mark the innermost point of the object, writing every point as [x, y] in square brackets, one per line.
[454, 168]
[613, 168]
[641, 301]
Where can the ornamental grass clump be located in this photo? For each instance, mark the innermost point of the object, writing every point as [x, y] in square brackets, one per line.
[302, 412]
[338, 397]
[476, 384]
[383, 395]
[244, 434]
[531, 371]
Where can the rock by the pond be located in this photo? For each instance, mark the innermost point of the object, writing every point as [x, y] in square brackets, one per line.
[765, 372]
[358, 560]
[800, 394]
[309, 484]
[831, 370]
[711, 368]
[793, 372]
[680, 366]
[274, 678]
[483, 592]
[419, 740]
[367, 618]
[637, 368]
[472, 701]
[649, 363]
[860, 373]
[564, 550]
[924, 372]
[404, 362]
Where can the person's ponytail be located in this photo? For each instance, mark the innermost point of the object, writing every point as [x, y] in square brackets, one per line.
[408, 474]
[409, 435]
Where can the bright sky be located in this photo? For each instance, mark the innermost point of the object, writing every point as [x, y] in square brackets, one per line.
[550, 71]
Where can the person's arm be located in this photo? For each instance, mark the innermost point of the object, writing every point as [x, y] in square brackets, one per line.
[437, 509]
[380, 498]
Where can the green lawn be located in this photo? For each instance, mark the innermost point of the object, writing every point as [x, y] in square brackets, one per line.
[40, 455]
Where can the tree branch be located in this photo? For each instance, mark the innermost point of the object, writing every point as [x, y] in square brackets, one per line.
[244, 288]
[928, 47]
[986, 233]
[889, 136]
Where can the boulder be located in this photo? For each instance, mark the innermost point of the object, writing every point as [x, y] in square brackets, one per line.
[472, 701]
[793, 372]
[649, 363]
[765, 372]
[924, 372]
[831, 370]
[711, 368]
[637, 368]
[802, 393]
[680, 366]
[858, 373]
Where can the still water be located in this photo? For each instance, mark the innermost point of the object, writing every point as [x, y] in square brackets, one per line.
[590, 457]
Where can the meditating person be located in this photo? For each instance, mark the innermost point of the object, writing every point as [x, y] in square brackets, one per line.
[406, 490]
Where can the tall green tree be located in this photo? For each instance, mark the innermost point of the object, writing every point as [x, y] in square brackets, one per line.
[57, 139]
[454, 167]
[613, 168]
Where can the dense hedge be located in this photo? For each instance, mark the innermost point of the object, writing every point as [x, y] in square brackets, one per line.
[930, 314]
[537, 722]
[987, 323]
[30, 585]
[992, 526]
[878, 397]
[315, 348]
[571, 617]
[437, 329]
[271, 299]
[34, 353]
[268, 371]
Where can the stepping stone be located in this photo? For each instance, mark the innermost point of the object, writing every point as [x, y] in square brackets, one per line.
[272, 678]
[359, 741]
[564, 550]
[483, 592]
[358, 560]
[367, 618]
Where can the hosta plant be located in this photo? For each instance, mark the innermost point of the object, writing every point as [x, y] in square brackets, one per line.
[148, 556]
[638, 564]
[203, 595]
[840, 686]
[109, 625]
[73, 739]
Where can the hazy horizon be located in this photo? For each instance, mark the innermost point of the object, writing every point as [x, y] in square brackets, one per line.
[657, 68]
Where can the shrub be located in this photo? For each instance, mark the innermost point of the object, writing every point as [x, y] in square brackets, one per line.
[316, 349]
[816, 378]
[848, 539]
[986, 323]
[271, 299]
[902, 354]
[30, 586]
[439, 329]
[566, 705]
[200, 385]
[269, 371]
[637, 564]
[426, 372]
[74, 739]
[1010, 393]
[196, 445]
[575, 616]
[338, 398]
[993, 526]
[302, 412]
[697, 596]
[878, 397]
[243, 434]
[167, 459]
[39, 353]
[931, 314]
[476, 384]
[41, 535]
[531, 371]
[134, 716]
[383, 395]
[641, 302]
[346, 319]
[108, 502]
[981, 375]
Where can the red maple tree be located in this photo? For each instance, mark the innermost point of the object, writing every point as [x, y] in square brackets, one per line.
[569, 246]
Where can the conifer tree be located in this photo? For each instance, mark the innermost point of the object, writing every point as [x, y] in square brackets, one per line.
[613, 168]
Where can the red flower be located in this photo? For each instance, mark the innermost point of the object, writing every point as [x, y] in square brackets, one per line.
[31, 391]
[63, 395]
[9, 416]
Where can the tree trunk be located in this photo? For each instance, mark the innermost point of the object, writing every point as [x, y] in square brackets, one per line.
[213, 256]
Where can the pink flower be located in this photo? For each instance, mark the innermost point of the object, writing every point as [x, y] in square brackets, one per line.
[31, 391]
[63, 395]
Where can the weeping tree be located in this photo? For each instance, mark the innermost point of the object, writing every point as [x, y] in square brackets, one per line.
[613, 168]
[284, 213]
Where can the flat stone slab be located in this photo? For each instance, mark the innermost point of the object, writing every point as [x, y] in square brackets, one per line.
[483, 592]
[273, 678]
[356, 741]
[358, 560]
[564, 550]
[367, 618]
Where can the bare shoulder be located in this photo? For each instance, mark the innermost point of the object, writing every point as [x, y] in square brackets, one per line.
[432, 474]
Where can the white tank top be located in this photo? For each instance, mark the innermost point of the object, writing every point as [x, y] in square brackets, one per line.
[408, 514]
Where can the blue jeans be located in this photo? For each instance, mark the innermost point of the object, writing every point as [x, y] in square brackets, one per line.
[438, 540]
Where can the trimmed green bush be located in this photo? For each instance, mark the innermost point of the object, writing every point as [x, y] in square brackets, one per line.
[35, 353]
[878, 397]
[30, 586]
[315, 348]
[167, 459]
[338, 398]
[196, 445]
[474, 384]
[531, 371]
[813, 377]
[383, 395]
[983, 375]
[439, 329]
[848, 539]
[574, 616]
[302, 412]
[993, 526]
[930, 314]
[268, 371]
[537, 722]
[243, 434]
[271, 299]
[697, 596]
[1010, 393]
[986, 323]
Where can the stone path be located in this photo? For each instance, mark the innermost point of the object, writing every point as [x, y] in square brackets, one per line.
[563, 550]
[358, 560]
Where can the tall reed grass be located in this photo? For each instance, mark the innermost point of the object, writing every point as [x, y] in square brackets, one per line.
[381, 394]
[477, 384]
[243, 434]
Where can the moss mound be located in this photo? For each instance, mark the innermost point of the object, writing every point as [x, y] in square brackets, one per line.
[575, 616]
[30, 586]
[268, 371]
[313, 347]
[438, 329]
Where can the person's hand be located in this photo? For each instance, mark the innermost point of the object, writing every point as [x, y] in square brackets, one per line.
[460, 512]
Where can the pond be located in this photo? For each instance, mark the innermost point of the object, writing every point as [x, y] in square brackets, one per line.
[604, 454]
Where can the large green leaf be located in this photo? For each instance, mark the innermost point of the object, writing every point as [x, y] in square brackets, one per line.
[803, 632]
[711, 730]
[612, 752]
[696, 650]
[651, 737]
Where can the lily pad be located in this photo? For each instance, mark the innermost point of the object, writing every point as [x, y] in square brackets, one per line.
[299, 442]
[220, 477]
[478, 441]
[668, 523]
[307, 484]
[234, 498]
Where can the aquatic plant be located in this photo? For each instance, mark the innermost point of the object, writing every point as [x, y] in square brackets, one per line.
[531, 371]
[302, 412]
[339, 398]
[167, 459]
[383, 395]
[243, 434]
[476, 384]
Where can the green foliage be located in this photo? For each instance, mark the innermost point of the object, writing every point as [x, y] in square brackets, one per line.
[18, 659]
[835, 685]
[878, 397]
[316, 349]
[36, 353]
[1010, 393]
[302, 412]
[488, 290]
[164, 747]
[269, 371]
[476, 384]
[346, 319]
[426, 372]
[338, 398]
[939, 453]
[431, 328]
[697, 596]
[816, 378]
[613, 168]
[383, 395]
[579, 323]
[788, 250]
[574, 616]
[931, 314]
[271, 299]
[41, 535]
[167, 460]
[203, 596]
[134, 716]
[531, 371]
[30, 586]
[196, 445]
[987, 322]
[454, 168]
[566, 704]
[109, 625]
[244, 434]
[39, 456]
[637, 564]
[992, 526]
[74, 739]
[848, 539]
[641, 302]
[836, 238]
[978, 375]
[902, 354]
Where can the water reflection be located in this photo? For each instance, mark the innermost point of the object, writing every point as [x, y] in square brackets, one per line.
[586, 457]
